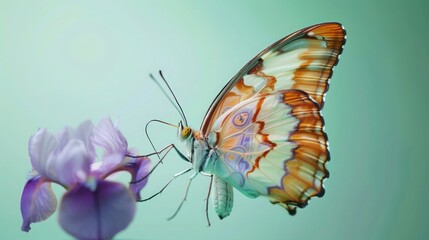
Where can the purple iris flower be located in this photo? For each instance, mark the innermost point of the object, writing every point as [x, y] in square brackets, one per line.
[92, 207]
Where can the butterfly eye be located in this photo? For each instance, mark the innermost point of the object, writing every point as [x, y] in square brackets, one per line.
[186, 132]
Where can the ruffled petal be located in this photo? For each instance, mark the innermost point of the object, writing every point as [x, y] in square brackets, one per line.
[110, 164]
[107, 136]
[64, 158]
[139, 169]
[98, 214]
[38, 202]
[40, 148]
[84, 132]
[72, 163]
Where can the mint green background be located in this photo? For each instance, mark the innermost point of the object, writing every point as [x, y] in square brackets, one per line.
[62, 62]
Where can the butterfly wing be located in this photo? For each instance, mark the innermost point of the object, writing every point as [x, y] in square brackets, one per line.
[303, 60]
[273, 145]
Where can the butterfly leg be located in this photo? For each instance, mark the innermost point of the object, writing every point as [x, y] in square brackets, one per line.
[207, 200]
[184, 198]
[166, 148]
[181, 155]
[162, 189]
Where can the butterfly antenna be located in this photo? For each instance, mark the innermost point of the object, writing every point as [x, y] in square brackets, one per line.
[166, 185]
[148, 137]
[174, 96]
[175, 103]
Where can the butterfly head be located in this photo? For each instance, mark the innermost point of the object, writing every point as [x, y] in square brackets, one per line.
[196, 146]
[186, 136]
[185, 133]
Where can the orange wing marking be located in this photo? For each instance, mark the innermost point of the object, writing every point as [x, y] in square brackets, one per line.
[306, 169]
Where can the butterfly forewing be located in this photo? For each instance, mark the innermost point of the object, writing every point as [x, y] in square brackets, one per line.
[303, 60]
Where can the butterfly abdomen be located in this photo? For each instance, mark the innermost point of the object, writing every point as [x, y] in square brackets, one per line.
[222, 197]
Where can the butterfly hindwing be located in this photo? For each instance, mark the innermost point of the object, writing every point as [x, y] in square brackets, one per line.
[303, 60]
[273, 145]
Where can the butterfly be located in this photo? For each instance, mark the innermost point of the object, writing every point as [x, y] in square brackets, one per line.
[264, 133]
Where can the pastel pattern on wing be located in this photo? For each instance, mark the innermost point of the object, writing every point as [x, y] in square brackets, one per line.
[283, 148]
[281, 90]
[303, 61]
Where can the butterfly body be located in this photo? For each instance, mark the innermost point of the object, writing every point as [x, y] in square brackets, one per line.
[264, 133]
[222, 197]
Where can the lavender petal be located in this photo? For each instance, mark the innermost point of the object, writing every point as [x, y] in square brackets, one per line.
[84, 132]
[98, 214]
[38, 202]
[107, 136]
[72, 163]
[109, 164]
[139, 169]
[40, 148]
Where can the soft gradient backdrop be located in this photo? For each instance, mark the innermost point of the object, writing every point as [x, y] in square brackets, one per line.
[62, 62]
